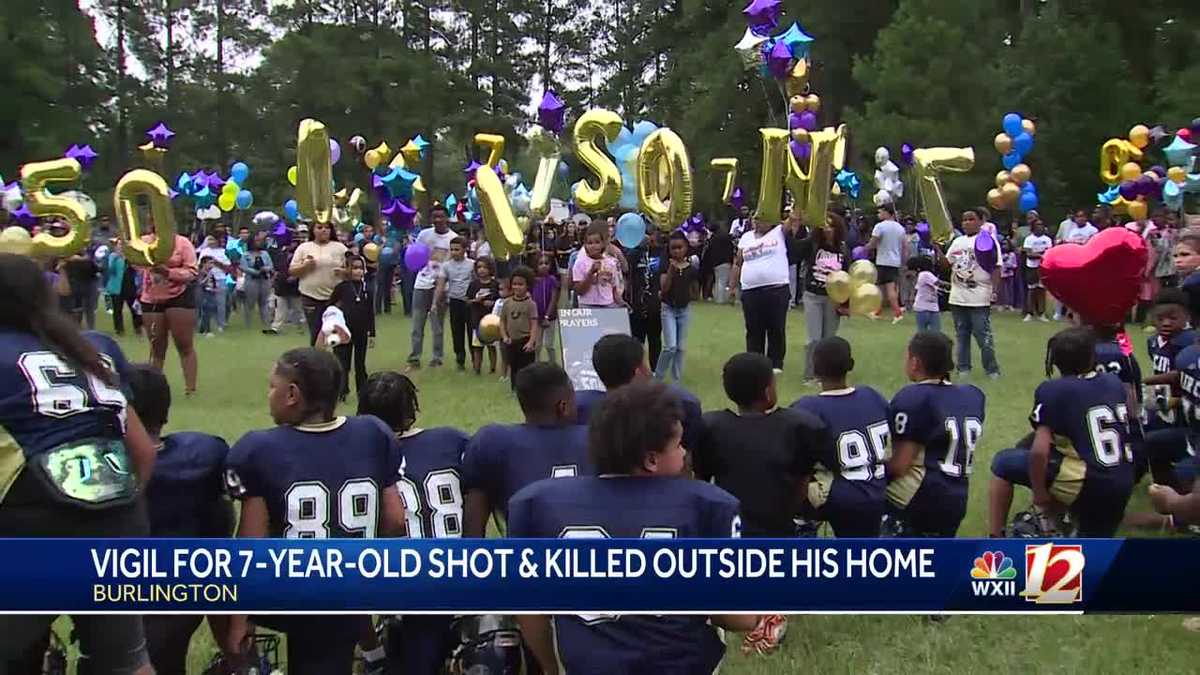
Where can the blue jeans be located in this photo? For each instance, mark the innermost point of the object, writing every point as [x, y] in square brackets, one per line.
[975, 321]
[929, 321]
[208, 311]
[674, 334]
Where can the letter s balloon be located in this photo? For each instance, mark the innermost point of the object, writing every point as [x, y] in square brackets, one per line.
[606, 196]
[147, 184]
[34, 178]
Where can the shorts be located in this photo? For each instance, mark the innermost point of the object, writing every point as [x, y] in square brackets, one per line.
[1033, 277]
[1097, 503]
[185, 300]
[887, 275]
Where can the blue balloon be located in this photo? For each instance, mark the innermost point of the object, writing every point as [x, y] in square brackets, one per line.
[1011, 160]
[563, 170]
[642, 130]
[1029, 201]
[1013, 124]
[244, 199]
[1029, 187]
[239, 172]
[291, 210]
[1023, 143]
[630, 230]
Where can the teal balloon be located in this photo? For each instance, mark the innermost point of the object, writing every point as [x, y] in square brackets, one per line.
[239, 172]
[642, 130]
[244, 200]
[1179, 152]
[631, 230]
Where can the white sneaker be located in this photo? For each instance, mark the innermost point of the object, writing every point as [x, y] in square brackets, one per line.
[1043, 319]
[208, 335]
[778, 371]
[1028, 318]
[897, 319]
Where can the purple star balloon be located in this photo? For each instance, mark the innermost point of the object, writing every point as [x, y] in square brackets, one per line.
[762, 15]
[72, 152]
[86, 156]
[215, 183]
[24, 216]
[552, 112]
[779, 61]
[906, 154]
[738, 199]
[470, 169]
[160, 135]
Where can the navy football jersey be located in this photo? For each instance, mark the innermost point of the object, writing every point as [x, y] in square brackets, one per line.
[1188, 365]
[588, 402]
[1110, 359]
[503, 458]
[857, 420]
[629, 507]
[947, 419]
[46, 403]
[320, 481]
[1090, 413]
[186, 493]
[431, 481]
[1162, 359]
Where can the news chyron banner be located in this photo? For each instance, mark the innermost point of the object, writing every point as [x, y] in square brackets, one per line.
[603, 576]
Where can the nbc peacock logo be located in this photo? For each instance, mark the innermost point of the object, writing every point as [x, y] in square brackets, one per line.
[993, 576]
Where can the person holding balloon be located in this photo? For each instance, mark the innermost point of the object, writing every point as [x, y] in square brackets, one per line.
[822, 253]
[973, 258]
[318, 264]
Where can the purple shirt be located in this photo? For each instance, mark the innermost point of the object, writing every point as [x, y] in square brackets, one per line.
[544, 289]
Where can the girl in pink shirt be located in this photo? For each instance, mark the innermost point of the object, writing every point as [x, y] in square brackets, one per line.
[597, 275]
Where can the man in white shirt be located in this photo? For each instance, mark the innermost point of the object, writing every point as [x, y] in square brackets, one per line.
[1035, 246]
[889, 241]
[740, 225]
[427, 286]
[972, 291]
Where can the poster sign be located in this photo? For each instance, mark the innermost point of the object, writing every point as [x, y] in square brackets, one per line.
[579, 330]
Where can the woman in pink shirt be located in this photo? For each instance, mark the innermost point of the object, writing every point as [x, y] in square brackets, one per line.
[169, 306]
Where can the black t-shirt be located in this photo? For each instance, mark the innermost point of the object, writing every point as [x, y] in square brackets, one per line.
[720, 250]
[680, 292]
[759, 459]
[643, 290]
[286, 286]
[819, 262]
[354, 298]
[477, 289]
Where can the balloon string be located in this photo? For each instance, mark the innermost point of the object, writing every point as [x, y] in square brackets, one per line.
[767, 98]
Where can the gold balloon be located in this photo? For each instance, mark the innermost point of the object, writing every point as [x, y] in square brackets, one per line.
[1029, 126]
[314, 175]
[1114, 155]
[813, 102]
[809, 185]
[1140, 136]
[1004, 143]
[144, 184]
[800, 135]
[838, 287]
[1002, 178]
[1138, 210]
[774, 171]
[797, 79]
[291, 175]
[1131, 171]
[1021, 174]
[489, 328]
[930, 162]
[411, 154]
[347, 211]
[1177, 174]
[549, 152]
[591, 126]
[371, 251]
[798, 103]
[995, 199]
[1010, 193]
[863, 272]
[499, 223]
[420, 194]
[372, 159]
[670, 207]
[34, 178]
[866, 300]
[16, 240]
[726, 169]
[494, 144]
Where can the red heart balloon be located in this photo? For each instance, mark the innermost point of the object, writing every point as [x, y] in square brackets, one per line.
[1098, 280]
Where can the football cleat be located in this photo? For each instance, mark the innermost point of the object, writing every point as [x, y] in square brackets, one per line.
[894, 527]
[490, 645]
[807, 529]
[1037, 524]
[766, 636]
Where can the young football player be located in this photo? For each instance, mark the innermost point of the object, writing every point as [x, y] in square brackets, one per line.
[935, 427]
[620, 360]
[849, 480]
[1079, 460]
[634, 441]
[431, 489]
[185, 498]
[1115, 355]
[503, 458]
[286, 478]
[1166, 437]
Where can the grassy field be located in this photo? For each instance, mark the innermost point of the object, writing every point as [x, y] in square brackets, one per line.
[232, 400]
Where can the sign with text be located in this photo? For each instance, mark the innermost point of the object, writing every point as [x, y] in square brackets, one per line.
[580, 329]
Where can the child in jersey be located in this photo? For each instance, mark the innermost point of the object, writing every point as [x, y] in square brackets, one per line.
[312, 456]
[1166, 438]
[431, 488]
[1115, 355]
[185, 498]
[634, 441]
[935, 427]
[1079, 460]
[503, 458]
[849, 480]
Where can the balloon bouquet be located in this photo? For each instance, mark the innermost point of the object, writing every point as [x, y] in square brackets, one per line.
[887, 179]
[1131, 190]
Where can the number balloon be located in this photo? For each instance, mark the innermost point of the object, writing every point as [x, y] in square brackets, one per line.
[314, 175]
[670, 207]
[34, 178]
[151, 186]
[930, 163]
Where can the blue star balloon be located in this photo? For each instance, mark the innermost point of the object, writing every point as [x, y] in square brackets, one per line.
[797, 41]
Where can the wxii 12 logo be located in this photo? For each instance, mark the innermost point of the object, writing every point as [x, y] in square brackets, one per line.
[1053, 574]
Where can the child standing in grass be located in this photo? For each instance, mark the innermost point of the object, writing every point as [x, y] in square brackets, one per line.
[209, 287]
[482, 295]
[519, 325]
[925, 303]
[545, 296]
[680, 285]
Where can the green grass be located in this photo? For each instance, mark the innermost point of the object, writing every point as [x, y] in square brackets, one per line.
[232, 400]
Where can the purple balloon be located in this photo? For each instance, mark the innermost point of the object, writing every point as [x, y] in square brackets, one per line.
[737, 199]
[808, 120]
[985, 251]
[416, 256]
[801, 151]
[923, 231]
[1129, 190]
[860, 253]
[1145, 186]
[906, 154]
[335, 151]
[779, 62]
[794, 121]
[1159, 170]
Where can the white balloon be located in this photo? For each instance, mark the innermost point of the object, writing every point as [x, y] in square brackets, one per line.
[12, 199]
[882, 157]
[883, 197]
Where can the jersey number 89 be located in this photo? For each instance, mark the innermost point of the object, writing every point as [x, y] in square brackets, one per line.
[309, 510]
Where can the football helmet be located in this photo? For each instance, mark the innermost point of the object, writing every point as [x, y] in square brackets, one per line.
[1037, 524]
[489, 645]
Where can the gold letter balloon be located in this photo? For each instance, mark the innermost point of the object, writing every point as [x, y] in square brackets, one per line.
[499, 223]
[664, 159]
[314, 175]
[549, 152]
[592, 126]
[151, 186]
[726, 169]
[930, 163]
[34, 178]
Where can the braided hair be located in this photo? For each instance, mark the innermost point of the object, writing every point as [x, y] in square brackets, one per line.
[392, 397]
[1072, 351]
